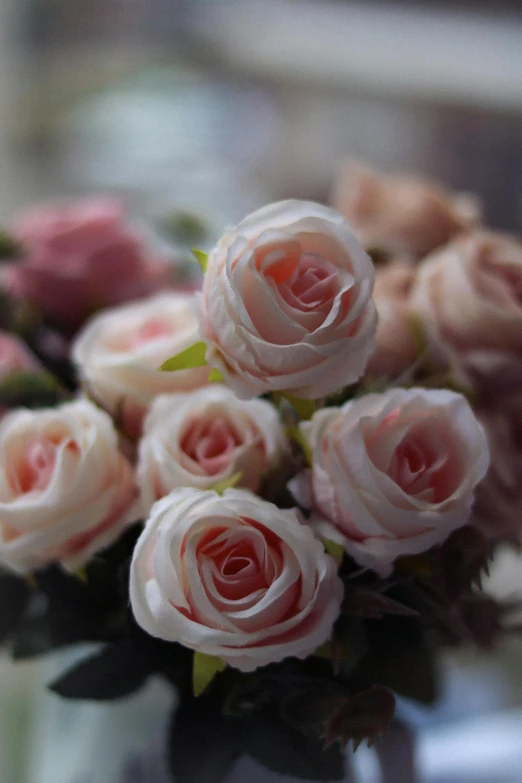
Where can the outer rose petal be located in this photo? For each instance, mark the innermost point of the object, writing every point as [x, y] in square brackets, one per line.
[258, 442]
[395, 472]
[290, 616]
[65, 490]
[286, 303]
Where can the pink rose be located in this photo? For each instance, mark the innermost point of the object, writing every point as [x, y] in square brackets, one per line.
[469, 298]
[498, 510]
[286, 303]
[234, 577]
[396, 349]
[79, 258]
[118, 354]
[205, 437]
[400, 214]
[394, 473]
[65, 490]
[15, 356]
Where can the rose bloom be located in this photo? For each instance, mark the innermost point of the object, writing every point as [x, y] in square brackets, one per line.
[286, 303]
[498, 510]
[65, 490]
[118, 354]
[15, 356]
[395, 473]
[469, 296]
[205, 437]
[400, 214]
[234, 577]
[396, 349]
[80, 257]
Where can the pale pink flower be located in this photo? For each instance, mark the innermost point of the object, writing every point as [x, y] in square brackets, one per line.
[286, 303]
[395, 473]
[400, 214]
[65, 490]
[233, 577]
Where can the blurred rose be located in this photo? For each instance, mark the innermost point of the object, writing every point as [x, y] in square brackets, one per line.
[15, 355]
[81, 257]
[65, 490]
[205, 437]
[400, 214]
[286, 303]
[396, 349]
[118, 354]
[469, 296]
[498, 510]
[394, 473]
[234, 577]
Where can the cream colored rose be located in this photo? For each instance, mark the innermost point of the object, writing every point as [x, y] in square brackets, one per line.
[286, 303]
[400, 214]
[119, 352]
[396, 349]
[234, 577]
[469, 296]
[65, 490]
[395, 473]
[206, 437]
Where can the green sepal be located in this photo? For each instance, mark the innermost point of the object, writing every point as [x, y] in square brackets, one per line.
[204, 669]
[201, 258]
[231, 481]
[194, 356]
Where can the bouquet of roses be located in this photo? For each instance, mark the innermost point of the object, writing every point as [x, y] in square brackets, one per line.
[272, 493]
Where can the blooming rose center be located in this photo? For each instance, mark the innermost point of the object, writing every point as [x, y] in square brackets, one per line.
[35, 466]
[151, 330]
[210, 443]
[419, 457]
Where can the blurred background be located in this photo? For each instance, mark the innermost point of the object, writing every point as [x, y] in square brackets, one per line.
[218, 106]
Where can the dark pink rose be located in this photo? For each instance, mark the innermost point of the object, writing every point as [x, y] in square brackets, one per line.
[79, 258]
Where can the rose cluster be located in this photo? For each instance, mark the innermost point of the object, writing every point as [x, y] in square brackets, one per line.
[270, 444]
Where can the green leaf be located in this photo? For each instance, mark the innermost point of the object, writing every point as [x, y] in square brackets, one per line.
[221, 486]
[334, 549]
[9, 247]
[305, 409]
[201, 258]
[30, 390]
[184, 227]
[204, 669]
[194, 356]
[116, 671]
[204, 743]
[216, 376]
